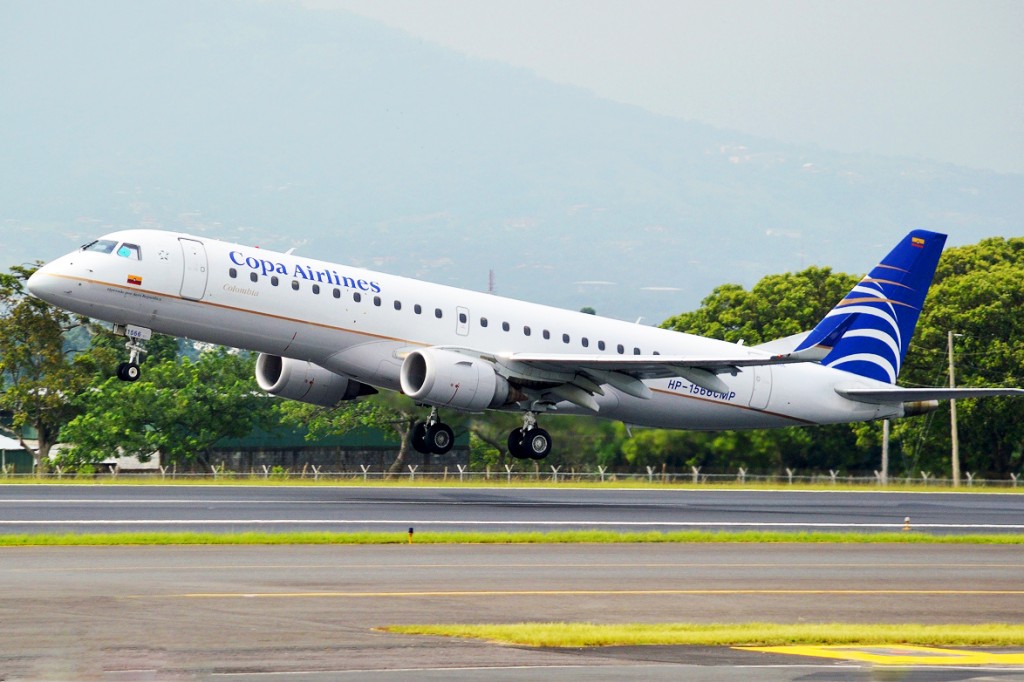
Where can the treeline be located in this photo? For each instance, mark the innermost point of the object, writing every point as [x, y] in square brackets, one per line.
[58, 379]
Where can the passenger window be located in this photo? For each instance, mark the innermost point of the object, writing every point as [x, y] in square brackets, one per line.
[100, 246]
[526, 331]
[483, 321]
[295, 284]
[546, 334]
[437, 313]
[565, 338]
[600, 345]
[398, 305]
[357, 297]
[621, 349]
[636, 351]
[376, 301]
[129, 251]
[417, 309]
[463, 318]
[253, 277]
[233, 273]
[585, 341]
[336, 292]
[316, 288]
[505, 326]
[274, 280]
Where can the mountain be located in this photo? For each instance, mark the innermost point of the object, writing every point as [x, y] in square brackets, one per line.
[273, 124]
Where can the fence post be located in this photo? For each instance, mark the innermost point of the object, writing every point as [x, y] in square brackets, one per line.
[789, 473]
[970, 479]
[832, 474]
[316, 472]
[878, 476]
[742, 478]
[925, 475]
[412, 471]
[601, 470]
[462, 471]
[1014, 477]
[508, 469]
[650, 474]
[266, 471]
[554, 472]
[366, 470]
[696, 474]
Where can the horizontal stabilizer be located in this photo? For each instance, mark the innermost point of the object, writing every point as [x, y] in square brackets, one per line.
[895, 394]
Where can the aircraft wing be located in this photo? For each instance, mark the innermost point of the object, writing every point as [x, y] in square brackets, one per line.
[899, 395]
[585, 374]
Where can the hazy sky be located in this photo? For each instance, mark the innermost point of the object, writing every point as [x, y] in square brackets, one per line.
[940, 79]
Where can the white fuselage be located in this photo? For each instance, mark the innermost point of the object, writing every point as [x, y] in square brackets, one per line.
[362, 324]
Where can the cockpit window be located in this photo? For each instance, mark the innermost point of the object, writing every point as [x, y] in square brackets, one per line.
[127, 250]
[100, 245]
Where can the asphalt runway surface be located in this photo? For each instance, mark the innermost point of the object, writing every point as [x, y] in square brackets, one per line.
[63, 508]
[311, 612]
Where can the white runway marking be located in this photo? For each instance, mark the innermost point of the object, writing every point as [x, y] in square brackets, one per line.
[525, 522]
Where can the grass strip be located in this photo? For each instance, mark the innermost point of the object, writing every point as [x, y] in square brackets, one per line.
[739, 634]
[453, 538]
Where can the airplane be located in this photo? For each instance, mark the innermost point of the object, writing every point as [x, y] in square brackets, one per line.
[327, 333]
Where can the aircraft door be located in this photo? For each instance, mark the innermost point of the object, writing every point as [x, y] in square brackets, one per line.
[462, 321]
[194, 274]
[762, 390]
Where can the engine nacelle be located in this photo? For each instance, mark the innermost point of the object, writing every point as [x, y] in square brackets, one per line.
[447, 379]
[306, 382]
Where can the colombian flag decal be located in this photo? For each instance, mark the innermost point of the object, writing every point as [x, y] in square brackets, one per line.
[917, 241]
[135, 279]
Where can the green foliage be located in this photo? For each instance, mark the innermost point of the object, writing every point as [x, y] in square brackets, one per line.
[39, 376]
[179, 408]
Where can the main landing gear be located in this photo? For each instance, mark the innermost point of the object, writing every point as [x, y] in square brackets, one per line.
[137, 336]
[432, 437]
[531, 441]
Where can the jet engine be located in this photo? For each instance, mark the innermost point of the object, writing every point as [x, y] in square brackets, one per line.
[306, 382]
[919, 407]
[447, 379]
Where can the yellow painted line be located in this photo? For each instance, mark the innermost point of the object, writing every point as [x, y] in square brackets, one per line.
[574, 593]
[899, 654]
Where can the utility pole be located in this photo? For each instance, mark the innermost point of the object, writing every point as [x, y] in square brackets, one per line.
[955, 455]
[885, 452]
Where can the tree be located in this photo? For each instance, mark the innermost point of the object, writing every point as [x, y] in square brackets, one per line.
[179, 408]
[385, 411]
[40, 375]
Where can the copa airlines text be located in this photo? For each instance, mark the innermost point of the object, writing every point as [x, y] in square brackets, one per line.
[327, 333]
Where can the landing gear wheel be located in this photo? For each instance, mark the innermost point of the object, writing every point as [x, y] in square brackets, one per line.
[440, 438]
[515, 444]
[419, 438]
[128, 371]
[537, 444]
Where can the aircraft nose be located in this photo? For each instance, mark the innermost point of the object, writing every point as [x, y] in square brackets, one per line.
[42, 284]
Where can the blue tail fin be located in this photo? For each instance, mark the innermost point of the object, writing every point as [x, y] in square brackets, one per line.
[869, 331]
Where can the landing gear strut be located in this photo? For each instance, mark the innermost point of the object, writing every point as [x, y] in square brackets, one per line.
[432, 436]
[531, 441]
[137, 336]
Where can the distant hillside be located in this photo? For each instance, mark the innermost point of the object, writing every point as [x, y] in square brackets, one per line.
[281, 126]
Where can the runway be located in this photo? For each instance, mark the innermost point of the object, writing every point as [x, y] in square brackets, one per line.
[310, 612]
[100, 508]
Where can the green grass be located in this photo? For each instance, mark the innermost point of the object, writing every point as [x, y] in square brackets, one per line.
[741, 634]
[433, 538]
[520, 479]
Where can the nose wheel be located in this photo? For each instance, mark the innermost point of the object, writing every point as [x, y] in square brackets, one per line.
[137, 337]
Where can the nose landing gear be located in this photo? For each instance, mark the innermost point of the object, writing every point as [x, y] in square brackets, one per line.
[137, 336]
